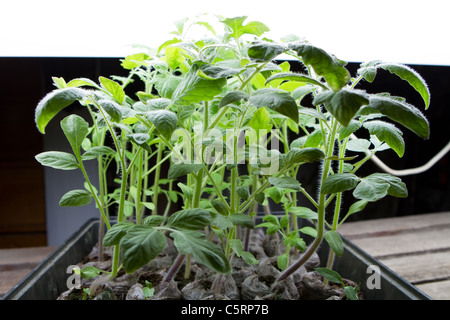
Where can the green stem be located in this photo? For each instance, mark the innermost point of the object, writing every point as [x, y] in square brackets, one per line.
[156, 181]
[321, 211]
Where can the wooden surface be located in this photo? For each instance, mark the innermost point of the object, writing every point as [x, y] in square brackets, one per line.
[17, 263]
[415, 247]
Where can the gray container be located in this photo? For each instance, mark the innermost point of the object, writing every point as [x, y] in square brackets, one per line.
[49, 278]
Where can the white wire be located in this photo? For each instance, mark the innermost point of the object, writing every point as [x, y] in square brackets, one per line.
[411, 171]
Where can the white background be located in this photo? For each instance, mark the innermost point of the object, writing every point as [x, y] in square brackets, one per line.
[413, 32]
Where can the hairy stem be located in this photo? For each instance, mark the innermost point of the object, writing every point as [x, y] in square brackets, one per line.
[321, 212]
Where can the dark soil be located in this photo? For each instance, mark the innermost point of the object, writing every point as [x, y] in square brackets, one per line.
[255, 282]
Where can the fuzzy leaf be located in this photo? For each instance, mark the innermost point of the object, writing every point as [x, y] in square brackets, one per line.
[387, 132]
[165, 121]
[397, 188]
[344, 104]
[113, 88]
[193, 89]
[95, 152]
[202, 250]
[277, 100]
[335, 241]
[240, 219]
[412, 77]
[288, 76]
[76, 129]
[285, 183]
[339, 182]
[331, 275]
[296, 155]
[232, 97]
[332, 69]
[238, 28]
[304, 212]
[75, 198]
[190, 219]
[112, 109]
[400, 112]
[54, 102]
[140, 245]
[57, 160]
[182, 169]
[248, 257]
[116, 233]
[265, 51]
[371, 190]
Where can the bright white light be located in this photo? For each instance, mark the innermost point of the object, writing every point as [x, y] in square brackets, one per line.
[413, 32]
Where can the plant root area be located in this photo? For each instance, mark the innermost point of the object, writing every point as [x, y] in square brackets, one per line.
[245, 282]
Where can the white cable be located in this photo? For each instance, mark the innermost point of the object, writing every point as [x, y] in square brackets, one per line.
[406, 172]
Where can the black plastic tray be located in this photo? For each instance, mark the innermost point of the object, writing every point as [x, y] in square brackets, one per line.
[49, 278]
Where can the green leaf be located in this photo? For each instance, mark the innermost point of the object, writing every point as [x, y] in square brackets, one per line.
[80, 82]
[275, 193]
[296, 155]
[387, 132]
[309, 231]
[153, 220]
[140, 245]
[265, 51]
[112, 109]
[368, 73]
[236, 246]
[140, 139]
[75, 129]
[325, 65]
[335, 241]
[220, 207]
[134, 60]
[358, 145]
[182, 169]
[400, 112]
[113, 88]
[260, 120]
[344, 104]
[193, 89]
[187, 191]
[238, 28]
[351, 293]
[75, 198]
[277, 100]
[358, 206]
[116, 233]
[304, 212]
[232, 97]
[371, 190]
[165, 122]
[397, 188]
[331, 275]
[90, 272]
[190, 219]
[411, 76]
[285, 183]
[241, 219]
[283, 261]
[57, 160]
[288, 76]
[346, 131]
[339, 182]
[202, 250]
[213, 72]
[95, 152]
[166, 84]
[54, 102]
